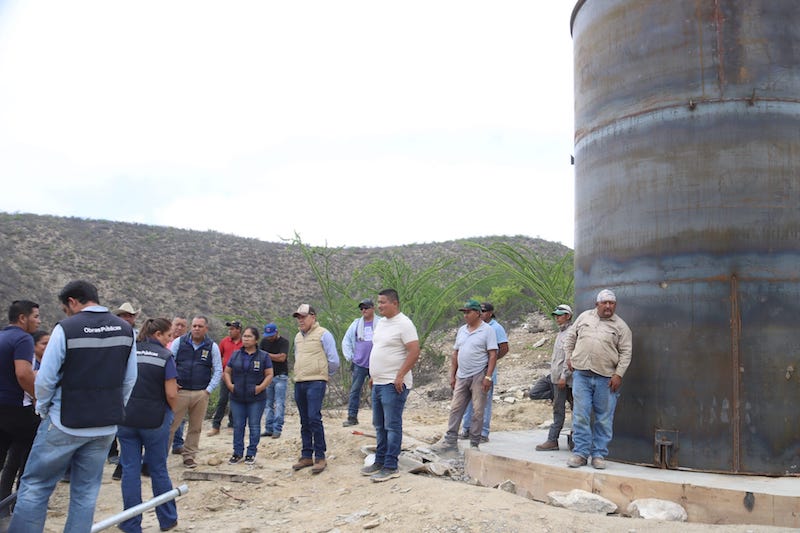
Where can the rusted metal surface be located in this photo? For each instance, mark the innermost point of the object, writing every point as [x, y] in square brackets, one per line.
[687, 201]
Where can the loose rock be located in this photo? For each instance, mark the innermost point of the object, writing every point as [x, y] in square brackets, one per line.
[581, 500]
[655, 509]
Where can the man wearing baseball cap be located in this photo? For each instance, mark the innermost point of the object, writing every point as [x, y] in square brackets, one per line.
[315, 358]
[277, 347]
[487, 315]
[560, 378]
[227, 346]
[598, 351]
[471, 367]
[356, 348]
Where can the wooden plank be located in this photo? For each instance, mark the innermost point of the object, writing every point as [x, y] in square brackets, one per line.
[702, 504]
[622, 490]
[549, 478]
[725, 506]
[194, 475]
[786, 510]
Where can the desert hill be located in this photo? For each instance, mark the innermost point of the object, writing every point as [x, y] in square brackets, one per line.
[167, 271]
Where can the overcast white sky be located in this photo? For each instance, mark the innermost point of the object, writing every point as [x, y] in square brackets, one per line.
[357, 123]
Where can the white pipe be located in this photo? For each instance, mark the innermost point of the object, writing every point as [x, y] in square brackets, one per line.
[139, 509]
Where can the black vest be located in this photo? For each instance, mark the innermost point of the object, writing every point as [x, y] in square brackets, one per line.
[98, 347]
[148, 402]
[245, 376]
[195, 367]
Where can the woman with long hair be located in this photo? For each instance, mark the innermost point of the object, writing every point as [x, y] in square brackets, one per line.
[247, 376]
[148, 416]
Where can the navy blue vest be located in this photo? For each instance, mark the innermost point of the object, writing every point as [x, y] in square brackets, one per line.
[246, 376]
[148, 402]
[195, 367]
[98, 347]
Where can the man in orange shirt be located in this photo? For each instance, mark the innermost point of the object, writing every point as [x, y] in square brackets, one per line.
[227, 346]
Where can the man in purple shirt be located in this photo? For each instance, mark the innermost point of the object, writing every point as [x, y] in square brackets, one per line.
[356, 347]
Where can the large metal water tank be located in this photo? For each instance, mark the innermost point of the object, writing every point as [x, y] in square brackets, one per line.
[687, 196]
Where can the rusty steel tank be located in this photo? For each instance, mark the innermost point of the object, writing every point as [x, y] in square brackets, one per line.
[687, 202]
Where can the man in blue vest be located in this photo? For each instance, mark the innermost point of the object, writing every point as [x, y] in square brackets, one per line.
[199, 372]
[88, 372]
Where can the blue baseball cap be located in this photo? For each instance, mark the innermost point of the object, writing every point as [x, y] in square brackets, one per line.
[270, 329]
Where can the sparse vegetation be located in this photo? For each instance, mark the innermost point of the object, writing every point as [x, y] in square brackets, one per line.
[168, 271]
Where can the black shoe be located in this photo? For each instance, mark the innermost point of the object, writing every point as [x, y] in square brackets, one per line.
[117, 475]
[177, 451]
[145, 470]
[266, 433]
[464, 434]
[351, 421]
[173, 526]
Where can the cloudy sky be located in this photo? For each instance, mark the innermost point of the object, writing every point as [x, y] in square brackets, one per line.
[355, 123]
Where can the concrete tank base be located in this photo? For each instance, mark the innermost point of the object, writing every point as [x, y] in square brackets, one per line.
[707, 498]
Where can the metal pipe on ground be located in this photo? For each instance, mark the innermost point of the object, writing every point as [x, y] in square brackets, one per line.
[139, 509]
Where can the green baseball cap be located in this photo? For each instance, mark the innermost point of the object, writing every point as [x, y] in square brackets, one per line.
[471, 305]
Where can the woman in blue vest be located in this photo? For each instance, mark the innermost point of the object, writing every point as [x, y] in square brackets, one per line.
[247, 376]
[148, 416]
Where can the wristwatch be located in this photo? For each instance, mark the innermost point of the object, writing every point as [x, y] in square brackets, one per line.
[488, 377]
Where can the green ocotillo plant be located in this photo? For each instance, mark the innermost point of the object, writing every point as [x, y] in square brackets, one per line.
[550, 282]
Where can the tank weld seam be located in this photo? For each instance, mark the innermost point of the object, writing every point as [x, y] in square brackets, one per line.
[749, 100]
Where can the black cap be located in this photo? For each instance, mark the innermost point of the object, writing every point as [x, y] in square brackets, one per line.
[486, 306]
[366, 304]
[235, 324]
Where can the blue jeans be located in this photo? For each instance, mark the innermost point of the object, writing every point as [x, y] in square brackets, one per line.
[592, 396]
[156, 447]
[360, 374]
[387, 417]
[276, 404]
[246, 413]
[52, 451]
[466, 422]
[177, 440]
[308, 396]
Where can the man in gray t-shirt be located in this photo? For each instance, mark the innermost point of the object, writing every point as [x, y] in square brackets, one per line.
[471, 366]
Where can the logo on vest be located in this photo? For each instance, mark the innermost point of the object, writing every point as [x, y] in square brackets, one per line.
[204, 355]
[102, 329]
[256, 365]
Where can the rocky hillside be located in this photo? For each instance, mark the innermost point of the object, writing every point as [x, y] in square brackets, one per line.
[167, 270]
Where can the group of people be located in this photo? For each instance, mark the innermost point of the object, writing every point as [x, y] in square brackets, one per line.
[67, 396]
[589, 359]
[100, 379]
[383, 349]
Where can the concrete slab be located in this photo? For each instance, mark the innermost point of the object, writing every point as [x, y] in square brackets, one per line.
[707, 498]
